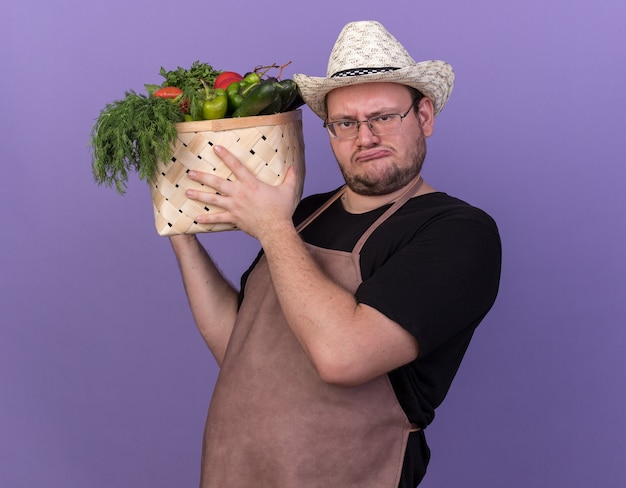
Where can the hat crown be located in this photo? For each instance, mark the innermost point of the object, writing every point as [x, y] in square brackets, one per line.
[365, 52]
[366, 45]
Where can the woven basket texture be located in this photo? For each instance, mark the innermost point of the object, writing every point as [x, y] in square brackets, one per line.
[267, 145]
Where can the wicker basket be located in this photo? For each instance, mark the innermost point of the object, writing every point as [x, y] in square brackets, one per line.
[267, 145]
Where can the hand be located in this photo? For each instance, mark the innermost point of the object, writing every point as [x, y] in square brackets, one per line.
[255, 207]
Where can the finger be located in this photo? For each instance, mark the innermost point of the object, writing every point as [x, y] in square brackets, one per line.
[220, 185]
[214, 217]
[208, 198]
[232, 162]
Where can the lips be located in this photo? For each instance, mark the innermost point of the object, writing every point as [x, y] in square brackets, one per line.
[371, 154]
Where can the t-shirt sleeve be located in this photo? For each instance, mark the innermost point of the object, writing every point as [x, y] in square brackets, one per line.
[442, 281]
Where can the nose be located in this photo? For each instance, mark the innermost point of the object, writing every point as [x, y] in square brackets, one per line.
[365, 134]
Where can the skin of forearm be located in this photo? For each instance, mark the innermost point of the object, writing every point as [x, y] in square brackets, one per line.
[213, 300]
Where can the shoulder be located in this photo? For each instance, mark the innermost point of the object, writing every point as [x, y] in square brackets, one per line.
[439, 203]
[441, 211]
[430, 229]
[310, 204]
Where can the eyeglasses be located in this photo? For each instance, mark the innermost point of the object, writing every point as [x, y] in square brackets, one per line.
[379, 125]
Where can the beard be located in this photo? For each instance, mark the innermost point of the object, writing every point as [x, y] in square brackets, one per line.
[393, 178]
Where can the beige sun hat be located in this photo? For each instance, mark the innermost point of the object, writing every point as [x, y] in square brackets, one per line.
[365, 52]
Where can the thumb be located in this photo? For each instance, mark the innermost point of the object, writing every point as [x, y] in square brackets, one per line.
[294, 182]
[291, 177]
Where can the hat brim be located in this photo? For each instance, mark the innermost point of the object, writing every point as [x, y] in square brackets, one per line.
[434, 79]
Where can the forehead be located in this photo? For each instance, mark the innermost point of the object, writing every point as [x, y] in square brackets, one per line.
[367, 97]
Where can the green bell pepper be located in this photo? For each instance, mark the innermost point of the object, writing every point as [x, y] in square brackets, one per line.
[215, 104]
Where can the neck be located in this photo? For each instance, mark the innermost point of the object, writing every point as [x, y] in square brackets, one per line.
[356, 203]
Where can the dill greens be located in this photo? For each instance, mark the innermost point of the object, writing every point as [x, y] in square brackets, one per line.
[132, 135]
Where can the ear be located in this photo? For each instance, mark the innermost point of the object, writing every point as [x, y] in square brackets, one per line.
[426, 116]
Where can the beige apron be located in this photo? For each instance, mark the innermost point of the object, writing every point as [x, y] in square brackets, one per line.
[273, 423]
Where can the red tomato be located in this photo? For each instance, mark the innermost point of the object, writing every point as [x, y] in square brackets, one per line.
[168, 92]
[173, 93]
[226, 78]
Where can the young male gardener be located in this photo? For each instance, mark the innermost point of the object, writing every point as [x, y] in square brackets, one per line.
[351, 324]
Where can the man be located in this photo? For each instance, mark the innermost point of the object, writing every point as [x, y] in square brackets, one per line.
[353, 320]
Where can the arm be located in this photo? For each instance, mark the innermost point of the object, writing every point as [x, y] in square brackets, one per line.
[212, 298]
[348, 343]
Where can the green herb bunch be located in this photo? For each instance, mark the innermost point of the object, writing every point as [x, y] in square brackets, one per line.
[135, 133]
[190, 80]
[132, 135]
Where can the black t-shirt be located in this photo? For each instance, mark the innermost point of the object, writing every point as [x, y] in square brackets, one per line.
[434, 268]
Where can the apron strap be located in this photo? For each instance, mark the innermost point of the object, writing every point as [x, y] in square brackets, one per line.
[410, 192]
[315, 214]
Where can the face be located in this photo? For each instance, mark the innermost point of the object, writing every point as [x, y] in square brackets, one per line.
[379, 165]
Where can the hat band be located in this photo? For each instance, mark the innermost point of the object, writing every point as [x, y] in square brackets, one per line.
[361, 71]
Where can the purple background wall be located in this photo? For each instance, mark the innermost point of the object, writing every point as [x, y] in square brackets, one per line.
[104, 380]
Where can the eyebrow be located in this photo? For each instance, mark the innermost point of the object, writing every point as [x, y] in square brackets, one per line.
[376, 113]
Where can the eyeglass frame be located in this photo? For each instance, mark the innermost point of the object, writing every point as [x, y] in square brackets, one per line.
[331, 129]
